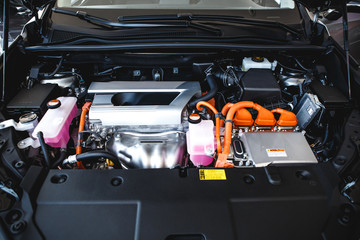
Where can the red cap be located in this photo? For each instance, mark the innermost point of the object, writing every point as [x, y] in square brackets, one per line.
[194, 118]
[54, 104]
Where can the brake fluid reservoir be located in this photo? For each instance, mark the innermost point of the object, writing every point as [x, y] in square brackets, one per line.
[257, 62]
[55, 123]
[201, 142]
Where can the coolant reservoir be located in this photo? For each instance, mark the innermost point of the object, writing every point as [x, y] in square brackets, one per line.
[55, 123]
[201, 142]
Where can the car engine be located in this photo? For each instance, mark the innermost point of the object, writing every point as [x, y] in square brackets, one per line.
[250, 111]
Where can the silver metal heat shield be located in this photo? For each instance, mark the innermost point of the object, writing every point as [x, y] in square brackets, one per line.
[149, 150]
[141, 103]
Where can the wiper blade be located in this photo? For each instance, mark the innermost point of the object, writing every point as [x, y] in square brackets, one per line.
[220, 18]
[109, 24]
[179, 16]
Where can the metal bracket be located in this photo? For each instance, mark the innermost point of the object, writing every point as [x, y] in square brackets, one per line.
[27, 142]
[9, 191]
[352, 191]
[18, 126]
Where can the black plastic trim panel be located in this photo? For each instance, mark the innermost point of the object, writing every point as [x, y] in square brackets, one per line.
[164, 45]
[168, 204]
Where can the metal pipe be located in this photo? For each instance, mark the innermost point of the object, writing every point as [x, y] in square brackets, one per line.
[346, 46]
[5, 44]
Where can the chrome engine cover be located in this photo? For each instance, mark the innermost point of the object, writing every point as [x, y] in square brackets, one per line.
[142, 106]
[148, 150]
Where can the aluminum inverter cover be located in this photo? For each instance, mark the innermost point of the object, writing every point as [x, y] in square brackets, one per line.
[266, 148]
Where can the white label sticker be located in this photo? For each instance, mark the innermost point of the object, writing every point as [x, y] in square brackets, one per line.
[310, 111]
[276, 152]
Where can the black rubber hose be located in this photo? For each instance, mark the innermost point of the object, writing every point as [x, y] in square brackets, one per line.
[44, 149]
[213, 88]
[95, 155]
[56, 69]
[60, 159]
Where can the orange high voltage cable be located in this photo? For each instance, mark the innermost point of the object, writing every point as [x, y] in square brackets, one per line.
[222, 158]
[242, 118]
[85, 110]
[286, 119]
[264, 118]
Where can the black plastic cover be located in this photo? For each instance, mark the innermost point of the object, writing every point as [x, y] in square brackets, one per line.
[261, 86]
[331, 97]
[31, 100]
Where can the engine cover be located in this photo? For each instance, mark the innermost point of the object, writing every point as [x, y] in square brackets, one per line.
[141, 104]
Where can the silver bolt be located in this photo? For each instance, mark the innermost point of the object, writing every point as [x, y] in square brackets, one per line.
[136, 73]
[19, 164]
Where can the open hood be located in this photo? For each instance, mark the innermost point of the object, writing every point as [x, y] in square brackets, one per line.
[313, 5]
[36, 4]
[322, 5]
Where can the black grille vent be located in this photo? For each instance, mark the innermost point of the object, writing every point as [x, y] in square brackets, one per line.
[59, 36]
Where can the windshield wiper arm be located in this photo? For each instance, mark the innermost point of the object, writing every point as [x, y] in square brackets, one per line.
[109, 24]
[220, 18]
[102, 21]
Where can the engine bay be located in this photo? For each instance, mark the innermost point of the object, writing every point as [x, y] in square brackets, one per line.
[122, 111]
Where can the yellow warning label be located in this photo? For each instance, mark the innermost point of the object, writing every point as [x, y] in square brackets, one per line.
[276, 152]
[212, 174]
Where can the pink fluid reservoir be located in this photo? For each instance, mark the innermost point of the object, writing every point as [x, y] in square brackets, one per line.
[201, 142]
[55, 123]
